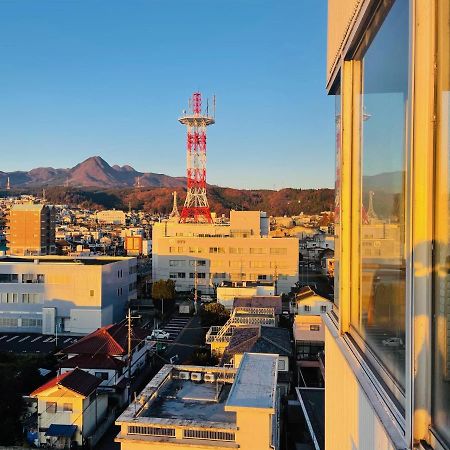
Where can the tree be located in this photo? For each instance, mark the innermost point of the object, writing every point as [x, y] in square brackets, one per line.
[214, 314]
[163, 291]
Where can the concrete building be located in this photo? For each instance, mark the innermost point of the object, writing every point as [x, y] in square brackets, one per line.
[31, 229]
[69, 410]
[111, 216]
[65, 295]
[387, 345]
[195, 408]
[212, 253]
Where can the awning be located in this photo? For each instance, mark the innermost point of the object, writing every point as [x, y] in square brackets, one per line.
[61, 430]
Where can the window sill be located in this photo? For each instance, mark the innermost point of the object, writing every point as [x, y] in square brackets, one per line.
[391, 418]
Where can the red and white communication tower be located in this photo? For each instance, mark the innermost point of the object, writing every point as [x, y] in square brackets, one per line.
[196, 207]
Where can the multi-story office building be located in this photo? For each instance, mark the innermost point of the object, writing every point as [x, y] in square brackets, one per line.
[387, 341]
[196, 407]
[31, 229]
[64, 295]
[211, 253]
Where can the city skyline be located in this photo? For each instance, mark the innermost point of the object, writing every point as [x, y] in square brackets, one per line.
[82, 81]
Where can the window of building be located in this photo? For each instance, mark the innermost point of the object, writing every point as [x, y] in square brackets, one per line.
[91, 292]
[382, 82]
[216, 250]
[278, 251]
[314, 328]
[102, 375]
[236, 250]
[323, 309]
[27, 278]
[68, 407]
[8, 322]
[307, 308]
[40, 278]
[441, 323]
[262, 277]
[9, 278]
[201, 275]
[50, 407]
[281, 365]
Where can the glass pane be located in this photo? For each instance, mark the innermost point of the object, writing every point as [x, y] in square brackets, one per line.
[337, 198]
[383, 115]
[441, 378]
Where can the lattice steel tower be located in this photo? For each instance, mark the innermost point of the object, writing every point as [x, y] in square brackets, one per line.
[196, 207]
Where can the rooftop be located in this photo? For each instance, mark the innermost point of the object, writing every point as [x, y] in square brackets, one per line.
[174, 397]
[76, 380]
[185, 399]
[255, 383]
[87, 261]
[109, 340]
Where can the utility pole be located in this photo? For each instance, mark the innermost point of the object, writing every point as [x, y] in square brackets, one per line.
[195, 287]
[129, 317]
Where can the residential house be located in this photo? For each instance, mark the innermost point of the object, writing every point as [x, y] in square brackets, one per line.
[104, 354]
[69, 409]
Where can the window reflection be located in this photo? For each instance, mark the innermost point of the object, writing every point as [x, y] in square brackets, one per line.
[383, 116]
[441, 378]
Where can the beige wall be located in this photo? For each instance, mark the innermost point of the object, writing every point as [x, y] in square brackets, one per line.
[251, 256]
[61, 395]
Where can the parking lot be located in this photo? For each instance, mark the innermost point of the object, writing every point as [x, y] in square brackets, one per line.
[33, 342]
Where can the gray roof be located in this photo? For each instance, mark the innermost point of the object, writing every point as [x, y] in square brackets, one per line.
[255, 383]
[261, 340]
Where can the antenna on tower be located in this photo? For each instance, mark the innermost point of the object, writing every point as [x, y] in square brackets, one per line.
[174, 214]
[371, 214]
[196, 207]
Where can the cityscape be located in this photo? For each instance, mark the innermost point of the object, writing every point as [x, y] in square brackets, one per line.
[222, 304]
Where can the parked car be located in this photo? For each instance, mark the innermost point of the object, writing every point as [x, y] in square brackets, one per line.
[158, 334]
[393, 342]
[206, 299]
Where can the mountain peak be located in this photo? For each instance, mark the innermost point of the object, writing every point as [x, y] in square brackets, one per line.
[92, 172]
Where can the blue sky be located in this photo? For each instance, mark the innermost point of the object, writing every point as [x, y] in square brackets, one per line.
[110, 78]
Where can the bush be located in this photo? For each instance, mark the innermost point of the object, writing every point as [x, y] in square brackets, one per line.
[214, 314]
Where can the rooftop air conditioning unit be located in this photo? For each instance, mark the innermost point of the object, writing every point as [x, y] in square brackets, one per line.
[196, 376]
[184, 375]
[209, 377]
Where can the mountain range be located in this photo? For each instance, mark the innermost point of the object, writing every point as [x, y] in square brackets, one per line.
[93, 172]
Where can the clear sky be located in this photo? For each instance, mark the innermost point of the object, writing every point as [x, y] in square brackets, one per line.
[106, 77]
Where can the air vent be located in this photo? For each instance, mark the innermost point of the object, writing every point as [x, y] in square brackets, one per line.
[184, 375]
[209, 377]
[196, 376]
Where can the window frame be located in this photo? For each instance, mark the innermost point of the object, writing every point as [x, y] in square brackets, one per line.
[349, 77]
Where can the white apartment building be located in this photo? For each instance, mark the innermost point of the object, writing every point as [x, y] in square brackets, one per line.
[241, 250]
[65, 295]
